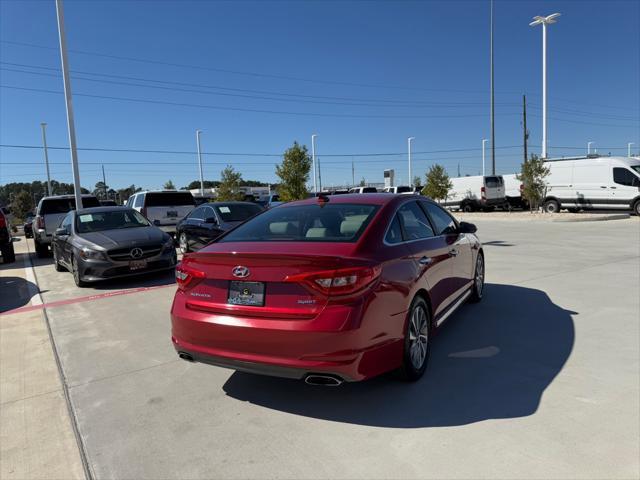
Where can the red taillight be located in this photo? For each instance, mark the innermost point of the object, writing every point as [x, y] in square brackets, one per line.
[483, 192]
[40, 222]
[187, 276]
[343, 281]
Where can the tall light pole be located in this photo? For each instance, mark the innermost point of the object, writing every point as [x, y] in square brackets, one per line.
[629, 148]
[589, 147]
[493, 133]
[46, 155]
[68, 100]
[198, 132]
[409, 140]
[313, 162]
[484, 143]
[548, 20]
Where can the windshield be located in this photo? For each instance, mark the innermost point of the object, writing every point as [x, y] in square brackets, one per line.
[169, 199]
[635, 168]
[109, 220]
[403, 189]
[237, 212]
[306, 223]
[64, 205]
[492, 182]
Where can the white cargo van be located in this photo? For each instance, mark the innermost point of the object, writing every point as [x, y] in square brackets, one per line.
[476, 193]
[163, 208]
[513, 191]
[593, 182]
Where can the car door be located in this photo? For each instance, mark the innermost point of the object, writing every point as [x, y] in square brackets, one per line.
[189, 226]
[210, 226]
[430, 253]
[460, 246]
[63, 242]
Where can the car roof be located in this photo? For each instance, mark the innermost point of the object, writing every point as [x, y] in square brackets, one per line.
[163, 191]
[355, 198]
[56, 197]
[107, 208]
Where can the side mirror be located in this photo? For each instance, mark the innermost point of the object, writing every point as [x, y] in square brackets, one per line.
[210, 220]
[61, 232]
[466, 227]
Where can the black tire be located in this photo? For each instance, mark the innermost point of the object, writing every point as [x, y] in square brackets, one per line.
[573, 210]
[411, 369]
[56, 263]
[42, 250]
[551, 206]
[8, 253]
[184, 247]
[76, 274]
[467, 207]
[636, 208]
[478, 280]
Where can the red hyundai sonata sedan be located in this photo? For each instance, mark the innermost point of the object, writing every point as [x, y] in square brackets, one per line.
[332, 289]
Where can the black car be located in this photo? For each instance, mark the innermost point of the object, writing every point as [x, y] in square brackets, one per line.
[6, 240]
[28, 226]
[210, 220]
[107, 242]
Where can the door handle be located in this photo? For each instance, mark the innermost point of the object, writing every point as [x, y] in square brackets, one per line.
[613, 187]
[602, 186]
[453, 252]
[425, 260]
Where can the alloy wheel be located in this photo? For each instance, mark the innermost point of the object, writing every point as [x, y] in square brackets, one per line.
[418, 337]
[479, 280]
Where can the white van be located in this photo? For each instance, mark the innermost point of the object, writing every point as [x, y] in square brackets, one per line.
[593, 183]
[164, 208]
[513, 191]
[476, 193]
[363, 190]
[406, 189]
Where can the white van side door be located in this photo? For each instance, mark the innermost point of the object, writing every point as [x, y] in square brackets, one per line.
[592, 181]
[626, 186]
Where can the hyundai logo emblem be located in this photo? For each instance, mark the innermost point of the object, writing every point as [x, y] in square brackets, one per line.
[136, 252]
[240, 272]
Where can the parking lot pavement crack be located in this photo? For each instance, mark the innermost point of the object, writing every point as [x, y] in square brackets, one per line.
[36, 395]
[65, 389]
[128, 372]
[564, 272]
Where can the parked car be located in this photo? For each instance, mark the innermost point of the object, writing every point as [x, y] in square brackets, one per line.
[28, 226]
[332, 289]
[6, 240]
[363, 190]
[210, 220]
[478, 192]
[406, 189]
[49, 213]
[270, 201]
[164, 208]
[108, 203]
[108, 242]
[593, 183]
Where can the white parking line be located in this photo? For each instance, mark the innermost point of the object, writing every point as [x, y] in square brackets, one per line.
[34, 291]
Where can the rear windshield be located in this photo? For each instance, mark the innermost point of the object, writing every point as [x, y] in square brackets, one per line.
[306, 223]
[369, 190]
[404, 189]
[493, 182]
[237, 212]
[169, 199]
[64, 205]
[109, 220]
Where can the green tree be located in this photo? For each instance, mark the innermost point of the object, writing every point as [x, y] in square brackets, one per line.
[230, 182]
[437, 184]
[22, 204]
[416, 181]
[294, 173]
[100, 191]
[532, 175]
[168, 185]
[363, 182]
[207, 184]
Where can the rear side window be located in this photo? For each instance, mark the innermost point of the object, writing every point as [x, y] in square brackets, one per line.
[414, 222]
[369, 190]
[442, 221]
[169, 199]
[394, 234]
[403, 189]
[306, 223]
[64, 205]
[138, 201]
[237, 212]
[197, 214]
[622, 176]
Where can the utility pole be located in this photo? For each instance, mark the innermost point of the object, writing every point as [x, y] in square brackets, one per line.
[313, 162]
[409, 155]
[458, 169]
[484, 144]
[629, 148]
[353, 173]
[46, 156]
[524, 125]
[104, 184]
[493, 132]
[68, 100]
[319, 175]
[198, 132]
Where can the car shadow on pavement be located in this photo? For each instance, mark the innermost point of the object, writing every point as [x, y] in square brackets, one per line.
[15, 292]
[153, 279]
[490, 360]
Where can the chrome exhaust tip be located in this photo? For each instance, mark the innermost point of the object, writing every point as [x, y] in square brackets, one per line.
[323, 380]
[186, 356]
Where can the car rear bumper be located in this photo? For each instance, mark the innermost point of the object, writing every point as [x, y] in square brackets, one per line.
[334, 343]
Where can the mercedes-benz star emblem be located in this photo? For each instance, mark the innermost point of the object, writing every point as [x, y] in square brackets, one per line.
[240, 271]
[136, 252]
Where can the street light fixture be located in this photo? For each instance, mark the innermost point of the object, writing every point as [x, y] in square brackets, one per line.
[629, 148]
[409, 140]
[544, 21]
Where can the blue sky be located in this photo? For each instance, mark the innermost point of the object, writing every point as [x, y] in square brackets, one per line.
[361, 75]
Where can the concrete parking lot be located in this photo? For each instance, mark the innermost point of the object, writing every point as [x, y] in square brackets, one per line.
[540, 380]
